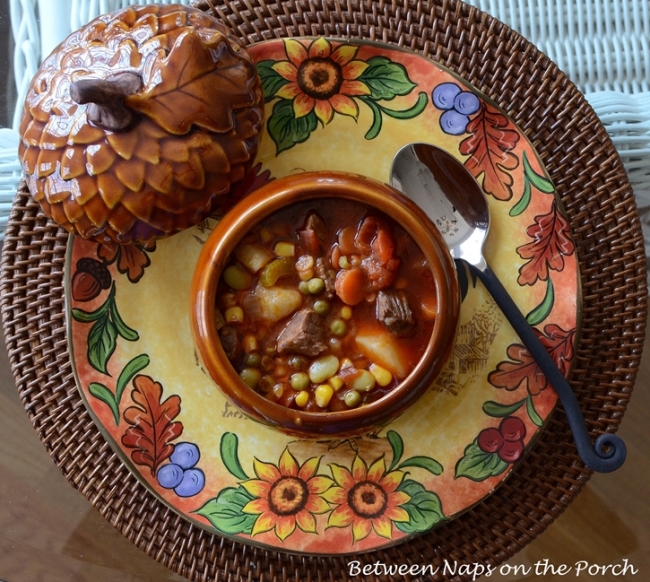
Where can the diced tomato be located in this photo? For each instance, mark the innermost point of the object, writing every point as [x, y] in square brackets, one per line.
[366, 234]
[383, 246]
[346, 239]
[309, 242]
[378, 275]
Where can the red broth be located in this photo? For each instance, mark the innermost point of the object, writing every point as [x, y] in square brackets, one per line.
[326, 305]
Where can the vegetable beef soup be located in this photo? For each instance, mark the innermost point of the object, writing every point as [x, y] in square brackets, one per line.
[326, 305]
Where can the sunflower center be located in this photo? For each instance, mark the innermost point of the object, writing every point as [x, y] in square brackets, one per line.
[288, 496]
[367, 499]
[319, 78]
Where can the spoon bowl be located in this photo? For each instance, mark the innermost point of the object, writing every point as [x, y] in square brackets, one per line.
[456, 203]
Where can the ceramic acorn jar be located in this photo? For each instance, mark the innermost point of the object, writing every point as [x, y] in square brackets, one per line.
[140, 123]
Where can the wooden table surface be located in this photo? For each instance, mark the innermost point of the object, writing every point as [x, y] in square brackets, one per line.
[49, 532]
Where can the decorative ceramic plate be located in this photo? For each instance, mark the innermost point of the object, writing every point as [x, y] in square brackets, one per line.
[350, 107]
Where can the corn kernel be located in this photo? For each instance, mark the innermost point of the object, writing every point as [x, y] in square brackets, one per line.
[346, 363]
[228, 300]
[305, 267]
[302, 398]
[323, 395]
[382, 375]
[278, 390]
[284, 249]
[346, 312]
[266, 234]
[280, 371]
[249, 343]
[234, 315]
[335, 382]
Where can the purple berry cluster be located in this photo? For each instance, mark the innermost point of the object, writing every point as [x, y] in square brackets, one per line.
[181, 473]
[507, 441]
[457, 106]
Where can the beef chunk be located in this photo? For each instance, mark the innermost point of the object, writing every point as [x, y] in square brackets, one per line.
[327, 275]
[393, 311]
[231, 343]
[304, 334]
[313, 235]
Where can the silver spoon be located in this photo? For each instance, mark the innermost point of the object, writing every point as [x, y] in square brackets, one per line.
[451, 196]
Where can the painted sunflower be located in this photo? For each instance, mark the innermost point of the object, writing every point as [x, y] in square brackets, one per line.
[367, 499]
[321, 79]
[286, 495]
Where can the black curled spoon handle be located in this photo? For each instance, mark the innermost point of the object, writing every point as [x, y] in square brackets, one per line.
[609, 451]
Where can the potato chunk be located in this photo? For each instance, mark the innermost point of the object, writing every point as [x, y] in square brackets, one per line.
[272, 303]
[380, 346]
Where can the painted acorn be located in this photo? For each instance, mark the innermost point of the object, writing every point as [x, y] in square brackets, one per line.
[90, 279]
[139, 124]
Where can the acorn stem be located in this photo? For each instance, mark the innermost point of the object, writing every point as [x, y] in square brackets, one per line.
[105, 99]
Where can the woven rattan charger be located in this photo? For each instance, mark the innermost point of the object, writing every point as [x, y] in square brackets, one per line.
[592, 183]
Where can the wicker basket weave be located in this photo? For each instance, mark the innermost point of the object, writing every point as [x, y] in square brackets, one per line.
[589, 177]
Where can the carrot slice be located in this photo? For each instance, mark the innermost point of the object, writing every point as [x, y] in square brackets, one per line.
[350, 286]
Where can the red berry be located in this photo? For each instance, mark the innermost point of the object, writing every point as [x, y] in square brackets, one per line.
[511, 451]
[513, 429]
[490, 440]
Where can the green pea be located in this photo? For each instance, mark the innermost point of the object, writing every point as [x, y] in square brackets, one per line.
[297, 363]
[352, 398]
[338, 327]
[266, 383]
[315, 285]
[250, 376]
[321, 307]
[267, 363]
[253, 360]
[303, 287]
[299, 381]
[335, 344]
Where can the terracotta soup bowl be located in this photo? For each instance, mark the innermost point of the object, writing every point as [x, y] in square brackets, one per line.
[324, 304]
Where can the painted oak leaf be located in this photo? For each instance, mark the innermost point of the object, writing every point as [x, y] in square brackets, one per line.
[201, 86]
[551, 242]
[489, 148]
[522, 369]
[131, 260]
[152, 423]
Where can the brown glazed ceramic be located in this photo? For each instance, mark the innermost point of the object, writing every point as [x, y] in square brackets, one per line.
[139, 123]
[249, 212]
